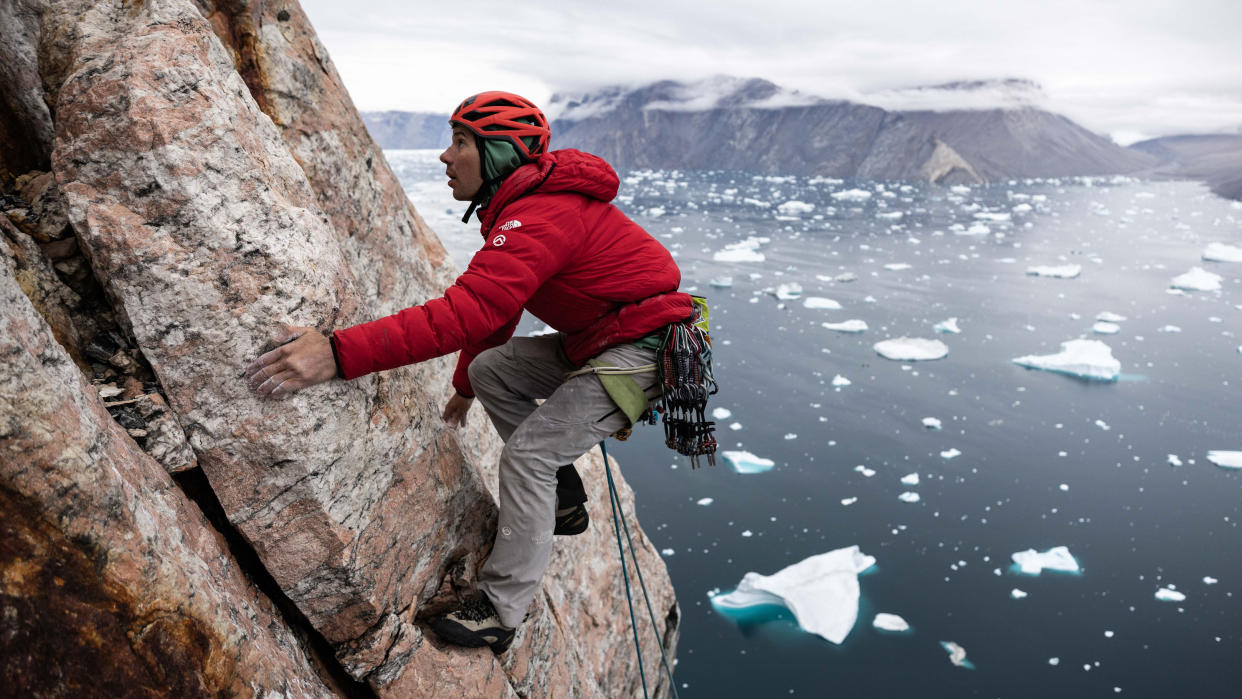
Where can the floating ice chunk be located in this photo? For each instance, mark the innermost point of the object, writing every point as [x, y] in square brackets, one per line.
[1016, 593]
[948, 326]
[1174, 460]
[1059, 558]
[545, 330]
[1060, 272]
[1209, 580]
[735, 426]
[1170, 329]
[1219, 252]
[950, 454]
[993, 216]
[1022, 209]
[846, 277]
[911, 349]
[795, 208]
[848, 501]
[867, 472]
[705, 501]
[655, 211]
[820, 303]
[746, 462]
[1102, 328]
[1168, 594]
[748, 533]
[667, 552]
[722, 414]
[1088, 359]
[1226, 459]
[896, 266]
[1110, 317]
[975, 229]
[1054, 661]
[890, 622]
[959, 189]
[1197, 279]
[908, 496]
[840, 380]
[957, 654]
[891, 215]
[910, 479]
[721, 282]
[790, 435]
[743, 251]
[789, 292]
[931, 423]
[849, 326]
[852, 195]
[821, 591]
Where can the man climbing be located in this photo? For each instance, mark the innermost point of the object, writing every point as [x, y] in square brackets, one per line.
[554, 245]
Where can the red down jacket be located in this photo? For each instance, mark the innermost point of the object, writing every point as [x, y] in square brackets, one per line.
[554, 246]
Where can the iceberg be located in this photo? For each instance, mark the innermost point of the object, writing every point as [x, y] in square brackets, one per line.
[721, 283]
[795, 208]
[1110, 317]
[957, 654]
[852, 195]
[908, 497]
[911, 349]
[948, 326]
[822, 592]
[1103, 328]
[867, 472]
[1219, 252]
[896, 266]
[910, 479]
[1173, 460]
[722, 414]
[849, 326]
[821, 303]
[1226, 459]
[789, 292]
[742, 251]
[840, 380]
[746, 462]
[1017, 594]
[951, 453]
[1088, 359]
[704, 501]
[1061, 272]
[890, 622]
[1058, 558]
[931, 423]
[1168, 594]
[1197, 279]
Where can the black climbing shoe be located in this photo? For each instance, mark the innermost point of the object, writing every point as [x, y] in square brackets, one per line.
[474, 625]
[572, 520]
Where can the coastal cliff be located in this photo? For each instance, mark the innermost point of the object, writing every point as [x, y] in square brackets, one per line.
[179, 179]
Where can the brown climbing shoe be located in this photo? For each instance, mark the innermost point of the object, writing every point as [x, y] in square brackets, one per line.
[473, 625]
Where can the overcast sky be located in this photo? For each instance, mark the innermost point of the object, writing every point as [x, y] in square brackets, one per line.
[1128, 69]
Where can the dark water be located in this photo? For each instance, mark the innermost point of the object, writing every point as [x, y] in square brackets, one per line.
[1046, 460]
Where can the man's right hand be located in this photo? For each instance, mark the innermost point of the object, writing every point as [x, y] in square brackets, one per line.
[455, 412]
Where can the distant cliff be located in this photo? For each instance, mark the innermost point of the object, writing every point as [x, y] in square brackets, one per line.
[1215, 158]
[179, 178]
[408, 129]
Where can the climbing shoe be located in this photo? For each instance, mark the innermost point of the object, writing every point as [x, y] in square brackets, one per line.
[571, 520]
[474, 625]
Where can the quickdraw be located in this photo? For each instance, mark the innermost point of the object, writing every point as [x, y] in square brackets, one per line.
[684, 368]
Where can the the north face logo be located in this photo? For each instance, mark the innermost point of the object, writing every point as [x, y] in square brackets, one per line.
[510, 225]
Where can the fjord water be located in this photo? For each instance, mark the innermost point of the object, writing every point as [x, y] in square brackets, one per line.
[1045, 459]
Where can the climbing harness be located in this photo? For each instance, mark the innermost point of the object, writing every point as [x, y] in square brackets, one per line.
[684, 368]
[619, 523]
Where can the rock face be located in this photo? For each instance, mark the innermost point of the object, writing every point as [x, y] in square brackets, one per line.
[217, 183]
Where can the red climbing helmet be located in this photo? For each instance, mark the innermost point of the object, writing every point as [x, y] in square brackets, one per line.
[506, 116]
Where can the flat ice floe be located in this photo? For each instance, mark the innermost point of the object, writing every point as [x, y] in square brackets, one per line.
[849, 326]
[820, 303]
[1219, 252]
[722, 413]
[1226, 459]
[1168, 594]
[1015, 593]
[947, 326]
[1110, 317]
[1060, 272]
[911, 349]
[1103, 328]
[896, 266]
[910, 479]
[840, 380]
[742, 251]
[746, 462]
[1058, 558]
[795, 208]
[721, 283]
[1088, 359]
[1197, 279]
[852, 195]
[908, 496]
[822, 592]
[931, 423]
[890, 622]
[951, 453]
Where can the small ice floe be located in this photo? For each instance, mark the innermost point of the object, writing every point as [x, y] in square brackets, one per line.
[1209, 580]
[655, 211]
[1173, 460]
[705, 501]
[1059, 272]
[1169, 329]
[746, 462]
[849, 326]
[789, 292]
[908, 496]
[848, 501]
[959, 189]
[667, 552]
[790, 435]
[545, 330]
[950, 454]
[910, 479]
[948, 326]
[721, 282]
[722, 413]
[1102, 328]
[975, 229]
[896, 266]
[1219, 252]
[911, 349]
[820, 303]
[994, 217]
[1168, 594]
[1110, 317]
[1016, 593]
[891, 215]
[735, 426]
[846, 277]
[840, 380]
[822, 592]
[1197, 279]
[1032, 562]
[957, 654]
[852, 195]
[1088, 359]
[743, 251]
[1226, 459]
[931, 423]
[795, 208]
[890, 622]
[867, 472]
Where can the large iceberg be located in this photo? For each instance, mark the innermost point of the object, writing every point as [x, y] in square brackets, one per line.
[1088, 359]
[1033, 562]
[1219, 252]
[746, 462]
[1197, 279]
[1226, 459]
[911, 349]
[821, 591]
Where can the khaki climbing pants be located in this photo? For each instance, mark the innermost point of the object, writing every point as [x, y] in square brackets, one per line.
[576, 415]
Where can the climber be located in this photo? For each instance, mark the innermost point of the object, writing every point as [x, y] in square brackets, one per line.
[554, 245]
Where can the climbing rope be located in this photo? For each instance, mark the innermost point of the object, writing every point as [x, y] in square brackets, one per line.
[619, 523]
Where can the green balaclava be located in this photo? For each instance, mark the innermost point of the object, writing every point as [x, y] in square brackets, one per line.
[498, 158]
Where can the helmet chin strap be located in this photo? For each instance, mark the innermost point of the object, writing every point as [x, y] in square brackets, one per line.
[481, 197]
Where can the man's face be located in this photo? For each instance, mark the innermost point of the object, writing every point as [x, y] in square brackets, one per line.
[461, 164]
